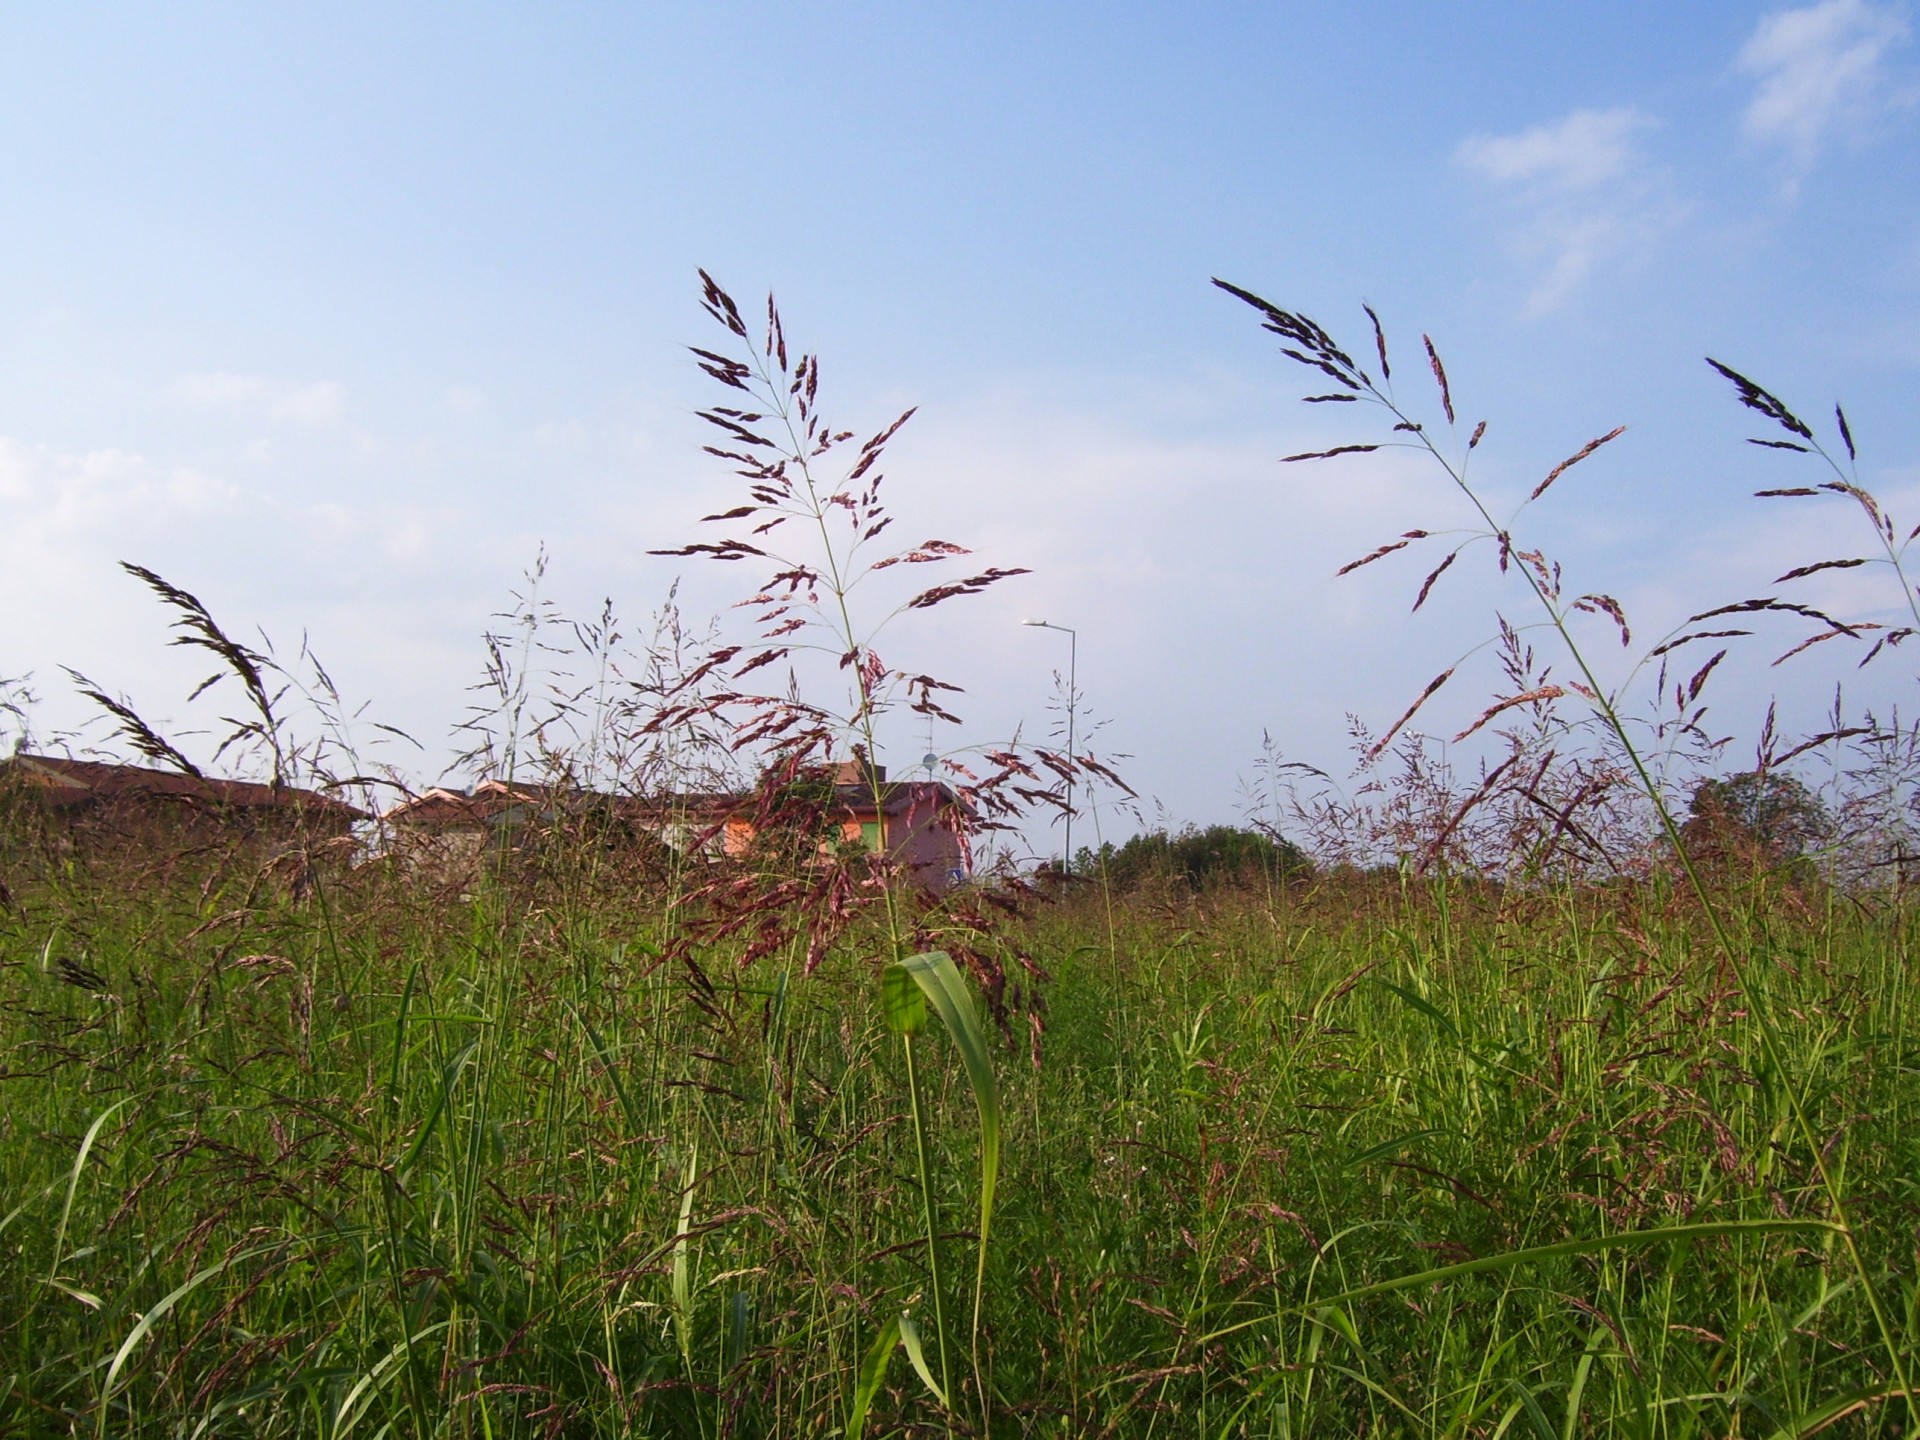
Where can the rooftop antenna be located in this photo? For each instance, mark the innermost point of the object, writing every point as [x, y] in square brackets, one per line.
[930, 760]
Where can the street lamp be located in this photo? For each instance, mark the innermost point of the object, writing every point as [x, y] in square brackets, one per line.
[1073, 657]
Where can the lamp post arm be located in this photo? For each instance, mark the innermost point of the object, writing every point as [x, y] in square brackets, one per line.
[1073, 704]
[1073, 701]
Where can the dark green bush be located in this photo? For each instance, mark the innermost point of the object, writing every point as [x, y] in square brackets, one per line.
[1219, 855]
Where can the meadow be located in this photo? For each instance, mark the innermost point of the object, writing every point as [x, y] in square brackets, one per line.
[1334, 1158]
[1541, 1108]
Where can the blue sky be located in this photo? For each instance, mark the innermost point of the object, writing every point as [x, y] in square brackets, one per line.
[335, 314]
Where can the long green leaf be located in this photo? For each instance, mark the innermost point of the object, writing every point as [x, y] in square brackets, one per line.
[682, 1256]
[613, 1074]
[1423, 1005]
[400, 1031]
[73, 1185]
[873, 1370]
[353, 1407]
[1536, 1417]
[1391, 1147]
[902, 1002]
[1579, 1387]
[449, 1077]
[1624, 1240]
[917, 1357]
[158, 1313]
[1835, 1410]
[939, 979]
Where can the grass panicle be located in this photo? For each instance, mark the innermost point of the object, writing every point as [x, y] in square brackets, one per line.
[1568, 1091]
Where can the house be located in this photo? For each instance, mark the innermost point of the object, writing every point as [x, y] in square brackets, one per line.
[490, 805]
[919, 824]
[103, 804]
[445, 831]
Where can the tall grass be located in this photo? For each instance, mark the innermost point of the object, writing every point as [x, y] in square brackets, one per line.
[1308, 344]
[1373, 1158]
[584, 1149]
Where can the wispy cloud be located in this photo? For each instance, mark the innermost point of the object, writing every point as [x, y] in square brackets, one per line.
[1580, 192]
[300, 402]
[393, 579]
[1586, 149]
[275, 557]
[1822, 73]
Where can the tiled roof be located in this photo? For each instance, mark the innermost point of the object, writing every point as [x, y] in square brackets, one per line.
[440, 807]
[64, 782]
[895, 796]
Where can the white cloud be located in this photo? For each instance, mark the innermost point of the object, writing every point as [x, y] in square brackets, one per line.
[394, 584]
[221, 388]
[1198, 570]
[60, 494]
[1576, 246]
[1587, 148]
[1821, 73]
[1579, 193]
[310, 402]
[16, 479]
[68, 518]
[318, 403]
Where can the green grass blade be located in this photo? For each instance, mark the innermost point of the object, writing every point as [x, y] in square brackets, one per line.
[22, 1208]
[73, 1185]
[873, 1370]
[449, 1077]
[1579, 1386]
[1392, 1147]
[682, 1256]
[158, 1313]
[1624, 1240]
[1424, 1006]
[613, 1075]
[917, 1357]
[1536, 1417]
[358, 1400]
[1836, 1410]
[902, 1002]
[400, 1032]
[739, 1318]
[939, 979]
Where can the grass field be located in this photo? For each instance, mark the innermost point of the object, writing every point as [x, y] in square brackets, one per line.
[1623, 1146]
[1329, 1160]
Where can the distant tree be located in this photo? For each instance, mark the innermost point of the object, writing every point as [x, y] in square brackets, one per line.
[1766, 816]
[1196, 858]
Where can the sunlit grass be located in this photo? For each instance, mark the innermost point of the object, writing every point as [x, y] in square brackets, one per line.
[1294, 1164]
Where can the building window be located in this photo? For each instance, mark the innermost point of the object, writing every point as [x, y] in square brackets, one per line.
[871, 836]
